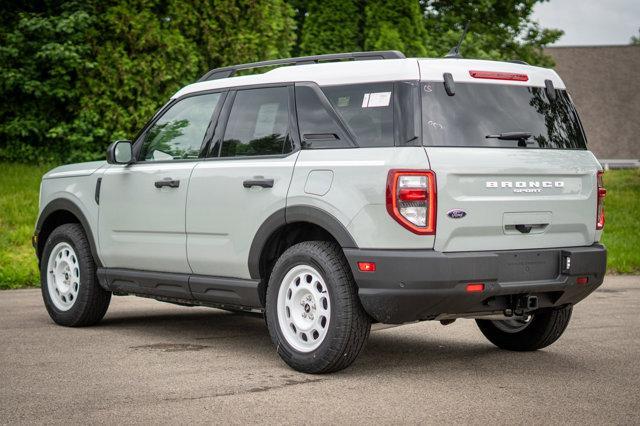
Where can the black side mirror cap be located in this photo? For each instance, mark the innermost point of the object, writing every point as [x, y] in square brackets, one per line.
[120, 152]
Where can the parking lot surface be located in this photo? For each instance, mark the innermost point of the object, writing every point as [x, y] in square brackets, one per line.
[149, 362]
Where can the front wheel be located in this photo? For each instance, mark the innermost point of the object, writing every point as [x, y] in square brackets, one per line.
[313, 312]
[529, 333]
[70, 289]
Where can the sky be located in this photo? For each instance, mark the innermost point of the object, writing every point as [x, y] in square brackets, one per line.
[590, 22]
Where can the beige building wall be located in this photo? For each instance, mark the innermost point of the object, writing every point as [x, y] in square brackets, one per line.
[604, 83]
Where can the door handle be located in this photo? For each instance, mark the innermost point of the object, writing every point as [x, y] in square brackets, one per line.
[265, 183]
[167, 182]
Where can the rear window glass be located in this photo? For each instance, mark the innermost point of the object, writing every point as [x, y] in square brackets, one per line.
[367, 109]
[480, 110]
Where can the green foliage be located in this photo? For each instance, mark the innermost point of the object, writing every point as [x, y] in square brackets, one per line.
[332, 26]
[86, 73]
[498, 29]
[41, 60]
[77, 75]
[397, 25]
[635, 40]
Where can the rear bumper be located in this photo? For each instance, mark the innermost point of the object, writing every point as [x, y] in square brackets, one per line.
[411, 285]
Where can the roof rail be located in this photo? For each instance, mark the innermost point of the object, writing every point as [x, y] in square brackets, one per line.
[225, 72]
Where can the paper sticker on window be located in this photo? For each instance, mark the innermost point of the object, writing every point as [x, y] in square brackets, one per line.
[266, 120]
[343, 101]
[365, 100]
[378, 99]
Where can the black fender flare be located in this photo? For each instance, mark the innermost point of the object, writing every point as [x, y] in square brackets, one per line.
[295, 214]
[63, 204]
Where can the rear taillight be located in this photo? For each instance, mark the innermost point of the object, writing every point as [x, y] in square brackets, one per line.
[602, 192]
[411, 199]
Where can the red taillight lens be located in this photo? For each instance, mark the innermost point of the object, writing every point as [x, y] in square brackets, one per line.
[367, 266]
[411, 199]
[475, 287]
[496, 75]
[582, 280]
[602, 192]
[409, 194]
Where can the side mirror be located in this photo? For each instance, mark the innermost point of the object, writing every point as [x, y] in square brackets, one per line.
[120, 152]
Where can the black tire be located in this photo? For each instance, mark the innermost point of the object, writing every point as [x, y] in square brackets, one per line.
[92, 300]
[546, 326]
[349, 325]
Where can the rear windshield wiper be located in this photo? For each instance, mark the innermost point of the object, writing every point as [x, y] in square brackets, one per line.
[521, 137]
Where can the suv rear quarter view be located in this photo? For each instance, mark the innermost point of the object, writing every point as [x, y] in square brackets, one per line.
[336, 191]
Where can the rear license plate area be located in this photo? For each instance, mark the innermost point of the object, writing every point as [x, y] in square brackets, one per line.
[529, 266]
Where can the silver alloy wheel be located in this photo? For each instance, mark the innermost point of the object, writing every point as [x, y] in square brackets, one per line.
[304, 308]
[514, 325]
[63, 276]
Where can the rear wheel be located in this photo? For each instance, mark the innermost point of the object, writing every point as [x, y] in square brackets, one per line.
[70, 289]
[313, 312]
[529, 333]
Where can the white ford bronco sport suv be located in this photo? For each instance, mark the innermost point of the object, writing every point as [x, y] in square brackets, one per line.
[335, 191]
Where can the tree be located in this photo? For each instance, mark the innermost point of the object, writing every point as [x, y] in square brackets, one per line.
[330, 26]
[82, 74]
[397, 25]
[333, 26]
[635, 39]
[43, 53]
[498, 29]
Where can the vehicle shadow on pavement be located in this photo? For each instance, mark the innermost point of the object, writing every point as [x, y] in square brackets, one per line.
[196, 330]
[245, 335]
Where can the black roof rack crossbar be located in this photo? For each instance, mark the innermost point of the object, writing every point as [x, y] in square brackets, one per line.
[225, 72]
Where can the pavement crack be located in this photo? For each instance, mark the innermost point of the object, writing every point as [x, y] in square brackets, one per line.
[232, 336]
[171, 347]
[285, 384]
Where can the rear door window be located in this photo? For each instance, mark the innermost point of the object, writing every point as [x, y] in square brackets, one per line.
[477, 113]
[367, 109]
[258, 123]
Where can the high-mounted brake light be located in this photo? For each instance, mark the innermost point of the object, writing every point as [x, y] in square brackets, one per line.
[497, 75]
[602, 192]
[411, 199]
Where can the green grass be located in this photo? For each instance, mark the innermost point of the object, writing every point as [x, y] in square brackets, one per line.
[19, 185]
[622, 225]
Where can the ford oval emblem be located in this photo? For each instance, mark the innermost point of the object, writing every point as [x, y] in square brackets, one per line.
[456, 214]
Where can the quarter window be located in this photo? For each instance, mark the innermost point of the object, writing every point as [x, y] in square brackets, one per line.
[180, 131]
[258, 123]
[318, 129]
[367, 109]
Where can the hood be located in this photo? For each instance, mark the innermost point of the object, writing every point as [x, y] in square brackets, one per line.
[72, 170]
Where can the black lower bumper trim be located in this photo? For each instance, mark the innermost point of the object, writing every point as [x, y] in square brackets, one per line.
[410, 285]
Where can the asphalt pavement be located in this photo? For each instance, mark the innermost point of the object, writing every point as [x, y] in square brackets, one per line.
[150, 362]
